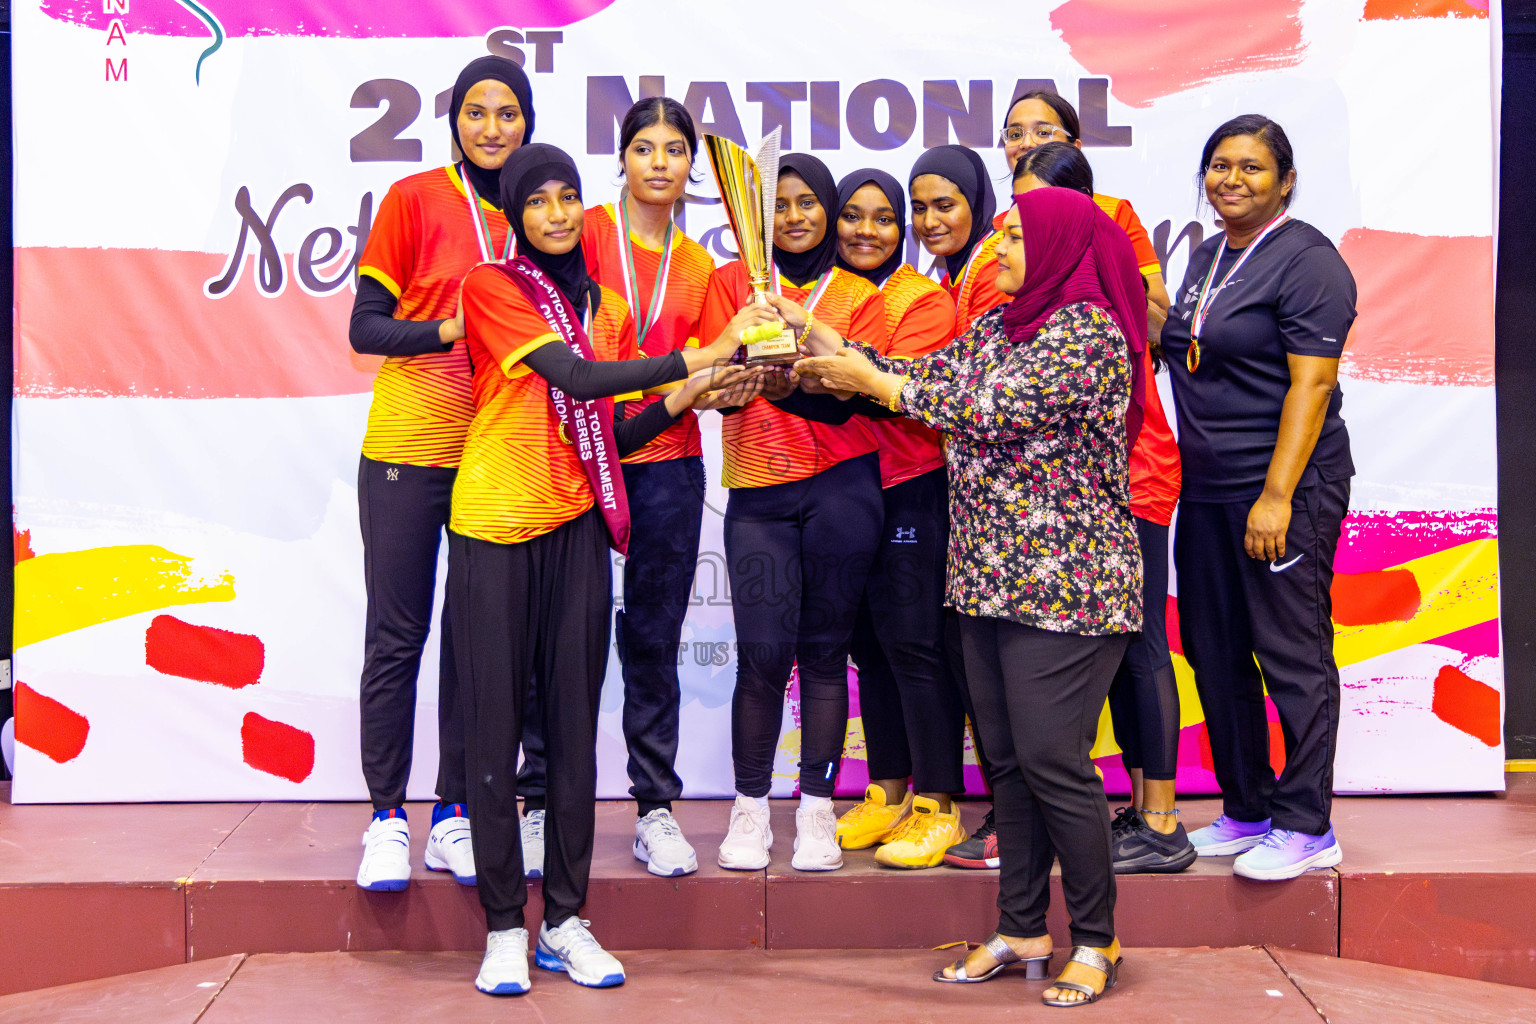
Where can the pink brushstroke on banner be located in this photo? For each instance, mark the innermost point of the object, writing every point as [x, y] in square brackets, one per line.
[339, 19]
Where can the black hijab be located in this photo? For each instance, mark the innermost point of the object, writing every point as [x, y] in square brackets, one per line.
[850, 184]
[524, 173]
[497, 69]
[804, 267]
[963, 166]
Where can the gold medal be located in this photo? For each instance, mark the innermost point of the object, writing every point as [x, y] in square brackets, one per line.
[1192, 357]
[564, 437]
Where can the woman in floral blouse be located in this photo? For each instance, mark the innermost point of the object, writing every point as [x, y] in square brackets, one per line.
[1036, 403]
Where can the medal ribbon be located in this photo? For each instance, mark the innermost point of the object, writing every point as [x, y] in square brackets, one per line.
[1207, 296]
[818, 286]
[483, 235]
[646, 320]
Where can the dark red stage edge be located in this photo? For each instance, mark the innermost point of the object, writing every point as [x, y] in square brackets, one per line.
[203, 653]
[276, 748]
[49, 727]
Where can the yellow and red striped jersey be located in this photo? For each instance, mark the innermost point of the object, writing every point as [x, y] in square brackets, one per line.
[421, 244]
[518, 479]
[676, 326]
[976, 291]
[763, 445]
[919, 317]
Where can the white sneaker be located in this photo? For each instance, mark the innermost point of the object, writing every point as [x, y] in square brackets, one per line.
[572, 949]
[449, 849]
[532, 829]
[748, 840]
[816, 846]
[386, 865]
[504, 971]
[659, 842]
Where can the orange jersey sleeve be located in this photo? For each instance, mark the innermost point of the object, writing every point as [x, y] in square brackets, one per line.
[978, 292]
[920, 317]
[1119, 210]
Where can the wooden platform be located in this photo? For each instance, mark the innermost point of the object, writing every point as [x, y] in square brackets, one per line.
[1443, 884]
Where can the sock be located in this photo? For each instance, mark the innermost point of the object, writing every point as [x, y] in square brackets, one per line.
[442, 811]
[761, 801]
[811, 803]
[389, 812]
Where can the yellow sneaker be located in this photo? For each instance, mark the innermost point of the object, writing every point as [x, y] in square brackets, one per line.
[863, 825]
[920, 840]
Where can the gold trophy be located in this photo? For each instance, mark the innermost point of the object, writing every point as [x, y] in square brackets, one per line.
[749, 188]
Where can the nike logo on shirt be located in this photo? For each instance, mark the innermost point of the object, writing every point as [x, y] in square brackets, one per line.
[1282, 566]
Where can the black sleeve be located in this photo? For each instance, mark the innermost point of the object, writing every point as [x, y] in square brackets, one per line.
[586, 379]
[376, 332]
[817, 408]
[638, 431]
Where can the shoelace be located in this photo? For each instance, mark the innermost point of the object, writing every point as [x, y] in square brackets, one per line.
[664, 827]
[743, 824]
[1276, 839]
[988, 828]
[507, 948]
[857, 814]
[533, 826]
[914, 826]
[824, 827]
[576, 938]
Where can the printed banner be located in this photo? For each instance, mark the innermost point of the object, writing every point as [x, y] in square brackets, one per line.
[189, 414]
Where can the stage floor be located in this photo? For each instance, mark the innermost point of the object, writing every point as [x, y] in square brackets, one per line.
[1195, 986]
[1443, 884]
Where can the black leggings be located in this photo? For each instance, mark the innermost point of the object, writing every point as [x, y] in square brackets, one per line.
[908, 698]
[542, 607]
[798, 554]
[402, 510]
[1144, 698]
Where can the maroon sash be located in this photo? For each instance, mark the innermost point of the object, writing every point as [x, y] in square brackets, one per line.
[587, 424]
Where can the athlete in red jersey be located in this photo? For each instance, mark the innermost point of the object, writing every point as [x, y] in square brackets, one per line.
[1144, 700]
[909, 697]
[633, 248]
[538, 501]
[430, 229]
[802, 521]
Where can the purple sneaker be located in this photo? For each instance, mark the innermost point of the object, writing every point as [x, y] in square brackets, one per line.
[1226, 836]
[1286, 854]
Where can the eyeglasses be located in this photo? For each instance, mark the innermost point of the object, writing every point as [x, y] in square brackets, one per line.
[1042, 132]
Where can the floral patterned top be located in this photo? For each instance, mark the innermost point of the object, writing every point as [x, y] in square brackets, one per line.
[1039, 494]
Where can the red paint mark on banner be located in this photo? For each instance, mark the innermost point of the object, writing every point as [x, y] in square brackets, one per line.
[49, 727]
[1151, 50]
[1381, 540]
[1392, 10]
[1367, 598]
[169, 340]
[22, 542]
[203, 653]
[1407, 332]
[1468, 705]
[276, 748]
[1175, 641]
[341, 19]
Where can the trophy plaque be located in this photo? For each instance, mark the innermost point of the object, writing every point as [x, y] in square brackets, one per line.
[749, 187]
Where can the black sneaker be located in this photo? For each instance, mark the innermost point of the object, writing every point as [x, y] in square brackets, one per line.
[1143, 849]
[1124, 820]
[979, 851]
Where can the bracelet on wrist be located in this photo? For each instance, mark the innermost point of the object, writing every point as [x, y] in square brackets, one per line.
[893, 403]
[805, 329]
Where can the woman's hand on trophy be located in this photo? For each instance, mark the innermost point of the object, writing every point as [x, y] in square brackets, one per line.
[819, 340]
[723, 348]
[846, 370]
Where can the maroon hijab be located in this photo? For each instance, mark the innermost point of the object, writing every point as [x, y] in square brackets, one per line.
[1074, 253]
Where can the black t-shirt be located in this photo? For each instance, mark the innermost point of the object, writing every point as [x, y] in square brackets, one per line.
[1293, 295]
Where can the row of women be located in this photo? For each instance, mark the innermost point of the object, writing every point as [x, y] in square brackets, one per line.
[966, 484]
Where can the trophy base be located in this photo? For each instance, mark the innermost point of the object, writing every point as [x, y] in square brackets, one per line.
[779, 351]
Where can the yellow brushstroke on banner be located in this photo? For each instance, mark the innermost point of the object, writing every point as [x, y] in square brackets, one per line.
[68, 590]
[1460, 588]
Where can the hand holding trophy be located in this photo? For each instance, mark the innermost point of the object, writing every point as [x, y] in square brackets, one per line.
[749, 185]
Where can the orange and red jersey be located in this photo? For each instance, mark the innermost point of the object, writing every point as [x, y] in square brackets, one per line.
[919, 317]
[676, 327]
[976, 292]
[1156, 475]
[518, 479]
[421, 244]
[763, 445]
